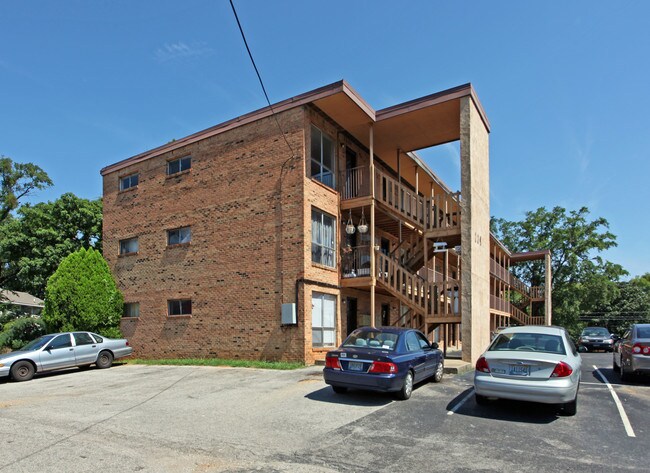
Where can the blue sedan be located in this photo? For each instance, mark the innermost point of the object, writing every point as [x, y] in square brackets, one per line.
[386, 359]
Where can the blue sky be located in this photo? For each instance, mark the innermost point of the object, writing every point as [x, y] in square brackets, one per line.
[564, 84]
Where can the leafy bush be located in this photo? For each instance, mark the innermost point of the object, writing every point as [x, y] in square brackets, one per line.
[18, 332]
[82, 295]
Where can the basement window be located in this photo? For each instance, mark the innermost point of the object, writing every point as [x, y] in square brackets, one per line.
[179, 236]
[179, 307]
[129, 246]
[131, 309]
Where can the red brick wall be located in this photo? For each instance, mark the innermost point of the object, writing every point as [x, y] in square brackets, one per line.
[247, 214]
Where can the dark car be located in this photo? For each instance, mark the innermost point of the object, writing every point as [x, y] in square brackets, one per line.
[596, 338]
[386, 359]
[632, 352]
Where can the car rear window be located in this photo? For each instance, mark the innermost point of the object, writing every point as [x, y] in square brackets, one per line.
[368, 338]
[643, 332]
[531, 342]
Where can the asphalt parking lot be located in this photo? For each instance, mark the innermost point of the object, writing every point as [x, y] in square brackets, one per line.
[200, 419]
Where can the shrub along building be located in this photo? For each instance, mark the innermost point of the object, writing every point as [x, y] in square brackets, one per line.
[244, 241]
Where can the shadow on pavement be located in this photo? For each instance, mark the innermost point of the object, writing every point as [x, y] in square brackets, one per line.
[351, 398]
[505, 410]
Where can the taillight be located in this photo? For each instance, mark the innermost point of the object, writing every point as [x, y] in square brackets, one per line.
[127, 343]
[383, 367]
[639, 348]
[332, 362]
[562, 370]
[482, 365]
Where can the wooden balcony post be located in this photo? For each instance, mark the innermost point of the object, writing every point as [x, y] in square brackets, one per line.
[373, 270]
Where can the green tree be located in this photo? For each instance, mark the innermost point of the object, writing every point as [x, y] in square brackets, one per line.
[82, 295]
[20, 331]
[18, 180]
[581, 279]
[33, 243]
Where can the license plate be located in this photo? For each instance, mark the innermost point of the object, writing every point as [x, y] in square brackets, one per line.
[520, 370]
[355, 366]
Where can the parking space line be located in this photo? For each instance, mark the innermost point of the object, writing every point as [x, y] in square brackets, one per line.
[461, 402]
[617, 401]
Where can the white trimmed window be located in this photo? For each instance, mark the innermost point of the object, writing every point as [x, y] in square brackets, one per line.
[179, 165]
[178, 236]
[129, 246]
[179, 307]
[322, 158]
[323, 238]
[131, 309]
[129, 181]
[323, 319]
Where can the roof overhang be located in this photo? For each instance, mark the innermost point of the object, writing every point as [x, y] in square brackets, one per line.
[398, 132]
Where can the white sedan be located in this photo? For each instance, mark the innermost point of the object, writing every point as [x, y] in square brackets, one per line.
[530, 363]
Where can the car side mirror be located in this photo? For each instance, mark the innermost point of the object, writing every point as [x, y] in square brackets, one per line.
[615, 337]
[582, 349]
[434, 346]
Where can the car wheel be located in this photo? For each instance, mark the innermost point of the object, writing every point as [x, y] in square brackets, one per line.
[340, 389]
[625, 376]
[437, 377]
[104, 360]
[22, 371]
[481, 400]
[407, 388]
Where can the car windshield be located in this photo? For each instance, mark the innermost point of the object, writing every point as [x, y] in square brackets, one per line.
[38, 343]
[595, 332]
[371, 338]
[533, 342]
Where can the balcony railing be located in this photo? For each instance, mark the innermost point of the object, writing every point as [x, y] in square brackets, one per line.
[355, 262]
[441, 211]
[502, 305]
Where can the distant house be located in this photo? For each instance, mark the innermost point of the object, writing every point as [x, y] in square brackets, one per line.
[21, 302]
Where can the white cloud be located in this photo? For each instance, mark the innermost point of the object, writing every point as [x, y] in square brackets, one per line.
[181, 50]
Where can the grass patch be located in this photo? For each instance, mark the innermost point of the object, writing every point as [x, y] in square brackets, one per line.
[269, 365]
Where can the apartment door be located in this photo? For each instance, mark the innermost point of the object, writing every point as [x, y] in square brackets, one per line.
[385, 315]
[351, 174]
[351, 302]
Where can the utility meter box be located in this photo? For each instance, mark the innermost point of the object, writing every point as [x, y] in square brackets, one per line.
[289, 314]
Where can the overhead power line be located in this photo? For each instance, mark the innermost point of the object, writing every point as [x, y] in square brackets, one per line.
[250, 55]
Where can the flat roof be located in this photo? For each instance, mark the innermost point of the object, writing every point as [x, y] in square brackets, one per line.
[399, 130]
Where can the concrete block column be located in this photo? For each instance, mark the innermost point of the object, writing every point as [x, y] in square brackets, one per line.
[475, 231]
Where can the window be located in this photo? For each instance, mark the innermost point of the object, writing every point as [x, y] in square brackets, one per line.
[323, 237]
[179, 307]
[62, 341]
[82, 338]
[129, 181]
[412, 343]
[323, 319]
[179, 236]
[129, 246]
[322, 157]
[131, 309]
[179, 165]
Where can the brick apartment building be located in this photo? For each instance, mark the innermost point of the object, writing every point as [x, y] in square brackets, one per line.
[239, 242]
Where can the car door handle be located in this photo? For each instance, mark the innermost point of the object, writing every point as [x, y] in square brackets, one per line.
[71, 349]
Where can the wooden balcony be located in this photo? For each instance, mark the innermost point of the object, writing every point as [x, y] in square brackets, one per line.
[439, 214]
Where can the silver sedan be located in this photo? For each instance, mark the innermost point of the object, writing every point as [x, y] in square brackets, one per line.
[62, 350]
[530, 363]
